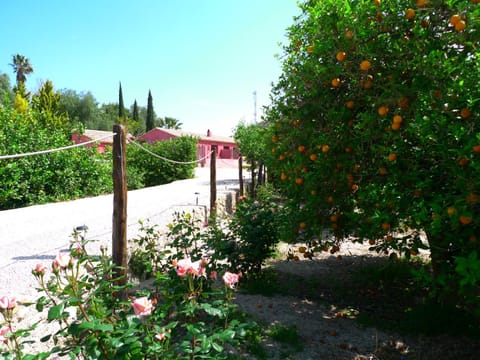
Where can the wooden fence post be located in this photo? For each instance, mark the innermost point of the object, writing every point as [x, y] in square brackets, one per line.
[240, 174]
[119, 228]
[213, 181]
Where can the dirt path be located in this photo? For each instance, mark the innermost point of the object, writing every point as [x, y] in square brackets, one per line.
[326, 323]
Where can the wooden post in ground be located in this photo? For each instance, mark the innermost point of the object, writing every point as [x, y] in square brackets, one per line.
[213, 181]
[240, 174]
[119, 228]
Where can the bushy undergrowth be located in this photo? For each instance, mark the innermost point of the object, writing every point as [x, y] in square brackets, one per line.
[49, 177]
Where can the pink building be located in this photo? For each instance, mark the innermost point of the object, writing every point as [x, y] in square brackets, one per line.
[226, 147]
[105, 138]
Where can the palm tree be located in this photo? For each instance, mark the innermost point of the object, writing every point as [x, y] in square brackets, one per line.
[170, 123]
[22, 67]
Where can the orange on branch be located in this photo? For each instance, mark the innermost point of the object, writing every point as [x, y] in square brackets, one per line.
[396, 127]
[397, 119]
[350, 104]
[461, 25]
[299, 181]
[383, 110]
[301, 148]
[465, 220]
[336, 82]
[382, 171]
[451, 210]
[310, 49]
[392, 157]
[465, 113]
[454, 19]
[325, 148]
[386, 226]
[365, 65]
[313, 157]
[410, 13]
[341, 55]
[476, 149]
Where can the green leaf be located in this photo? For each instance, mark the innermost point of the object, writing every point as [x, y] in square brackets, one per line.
[56, 312]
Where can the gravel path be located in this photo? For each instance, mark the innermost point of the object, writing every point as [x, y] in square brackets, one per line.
[37, 234]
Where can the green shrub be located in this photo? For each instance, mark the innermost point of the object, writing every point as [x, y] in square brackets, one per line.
[156, 171]
[49, 177]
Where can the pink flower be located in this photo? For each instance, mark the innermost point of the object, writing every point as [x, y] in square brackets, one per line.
[213, 275]
[230, 279]
[39, 269]
[62, 261]
[142, 306]
[184, 266]
[3, 332]
[7, 303]
[199, 268]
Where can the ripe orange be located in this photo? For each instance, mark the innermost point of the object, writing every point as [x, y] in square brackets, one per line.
[461, 25]
[350, 104]
[325, 148]
[377, 2]
[348, 149]
[382, 171]
[301, 148]
[299, 181]
[455, 19]
[365, 65]
[354, 187]
[283, 176]
[422, 3]
[451, 210]
[341, 55]
[302, 225]
[313, 157]
[336, 82]
[330, 199]
[281, 157]
[476, 148]
[397, 119]
[463, 162]
[386, 226]
[410, 13]
[310, 49]
[334, 218]
[392, 157]
[395, 127]
[465, 113]
[472, 199]
[383, 110]
[465, 220]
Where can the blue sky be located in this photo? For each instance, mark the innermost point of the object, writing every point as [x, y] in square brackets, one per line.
[202, 59]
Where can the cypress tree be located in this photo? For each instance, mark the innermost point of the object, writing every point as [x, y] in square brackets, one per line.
[135, 116]
[121, 107]
[150, 119]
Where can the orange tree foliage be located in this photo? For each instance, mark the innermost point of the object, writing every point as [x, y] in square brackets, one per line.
[374, 124]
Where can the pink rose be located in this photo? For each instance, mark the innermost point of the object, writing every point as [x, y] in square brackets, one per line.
[213, 275]
[230, 279]
[7, 303]
[142, 306]
[39, 269]
[184, 266]
[62, 261]
[3, 332]
[199, 268]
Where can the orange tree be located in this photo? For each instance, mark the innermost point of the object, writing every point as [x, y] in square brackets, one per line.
[374, 128]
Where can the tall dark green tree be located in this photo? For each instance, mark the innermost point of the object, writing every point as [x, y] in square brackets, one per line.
[135, 115]
[121, 112]
[150, 114]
